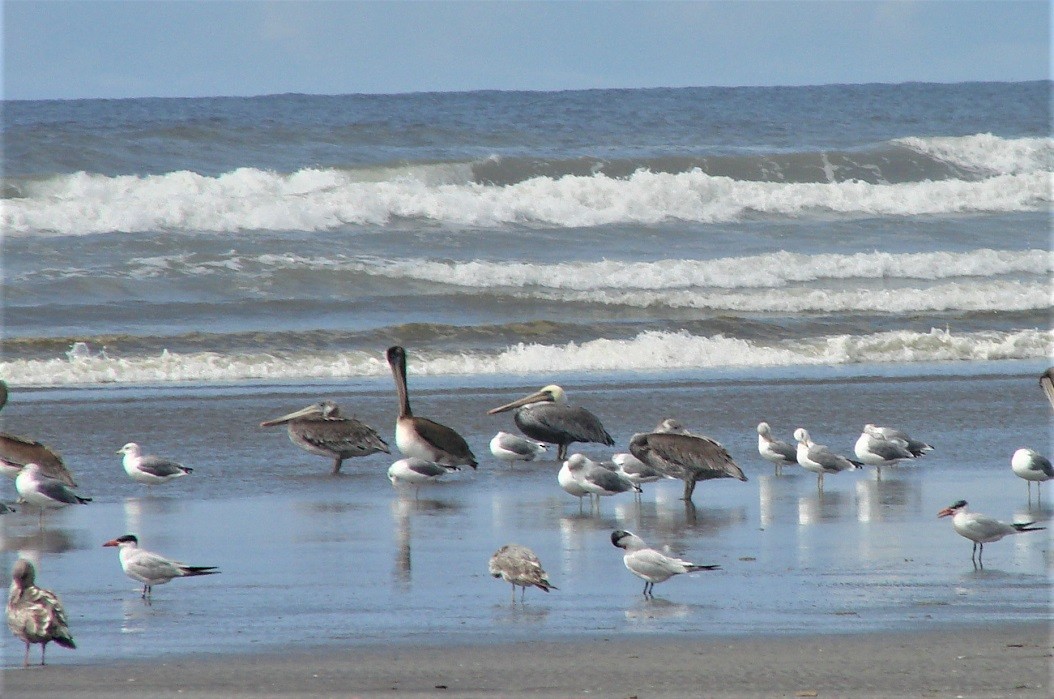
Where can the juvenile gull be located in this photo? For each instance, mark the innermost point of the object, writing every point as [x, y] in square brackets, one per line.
[981, 529]
[520, 566]
[35, 615]
[771, 449]
[511, 447]
[648, 564]
[151, 568]
[1032, 466]
[321, 429]
[418, 436]
[819, 459]
[546, 416]
[149, 469]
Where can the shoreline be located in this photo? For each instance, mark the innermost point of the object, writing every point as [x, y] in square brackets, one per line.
[1005, 661]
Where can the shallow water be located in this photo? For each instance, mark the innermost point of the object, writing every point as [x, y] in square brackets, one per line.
[310, 559]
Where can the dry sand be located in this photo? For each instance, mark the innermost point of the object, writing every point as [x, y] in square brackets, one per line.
[1013, 661]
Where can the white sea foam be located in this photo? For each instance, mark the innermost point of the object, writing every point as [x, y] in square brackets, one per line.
[320, 199]
[986, 153]
[649, 351]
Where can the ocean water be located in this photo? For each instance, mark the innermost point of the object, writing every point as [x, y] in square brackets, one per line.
[176, 271]
[294, 237]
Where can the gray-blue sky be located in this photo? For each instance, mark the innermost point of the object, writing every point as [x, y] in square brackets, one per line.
[102, 48]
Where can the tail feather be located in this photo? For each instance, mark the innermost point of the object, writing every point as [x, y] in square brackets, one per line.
[693, 567]
[65, 641]
[1026, 527]
[190, 571]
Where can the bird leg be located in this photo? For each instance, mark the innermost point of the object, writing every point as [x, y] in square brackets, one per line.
[43, 647]
[689, 488]
[25, 660]
[561, 452]
[980, 555]
[337, 463]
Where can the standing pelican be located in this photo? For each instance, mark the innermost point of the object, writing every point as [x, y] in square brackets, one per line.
[320, 429]
[16, 451]
[1032, 466]
[512, 447]
[419, 436]
[650, 565]
[686, 456]
[546, 416]
[1046, 382]
[981, 529]
[34, 614]
[520, 566]
[772, 449]
[819, 458]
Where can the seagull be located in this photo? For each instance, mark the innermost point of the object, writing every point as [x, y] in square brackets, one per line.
[44, 492]
[771, 449]
[321, 429]
[520, 566]
[648, 564]
[34, 614]
[417, 472]
[1046, 382]
[683, 455]
[419, 436]
[510, 447]
[820, 459]
[915, 446]
[151, 568]
[875, 449]
[981, 529]
[1032, 466]
[570, 484]
[635, 470]
[597, 480]
[150, 469]
[16, 451]
[546, 416]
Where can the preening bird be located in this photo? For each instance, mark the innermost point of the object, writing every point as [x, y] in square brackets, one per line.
[417, 472]
[650, 565]
[512, 447]
[874, 448]
[151, 568]
[35, 615]
[771, 449]
[819, 458]
[520, 566]
[546, 416]
[321, 429]
[981, 529]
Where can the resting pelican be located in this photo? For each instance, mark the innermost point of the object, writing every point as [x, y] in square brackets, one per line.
[648, 564]
[16, 451]
[546, 416]
[1046, 381]
[1032, 466]
[419, 436]
[320, 429]
[34, 614]
[520, 566]
[981, 529]
[819, 458]
[686, 456]
[771, 449]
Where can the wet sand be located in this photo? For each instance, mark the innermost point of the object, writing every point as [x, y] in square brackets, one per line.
[1008, 661]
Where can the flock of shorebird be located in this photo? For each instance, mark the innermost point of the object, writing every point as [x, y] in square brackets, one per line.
[432, 450]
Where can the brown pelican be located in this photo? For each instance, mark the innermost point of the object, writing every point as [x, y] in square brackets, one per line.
[34, 614]
[1046, 381]
[150, 568]
[819, 458]
[419, 436]
[648, 564]
[771, 449]
[981, 529]
[321, 429]
[149, 469]
[17, 451]
[1032, 466]
[520, 566]
[686, 456]
[546, 416]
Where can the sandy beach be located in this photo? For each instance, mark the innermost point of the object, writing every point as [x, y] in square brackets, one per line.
[1008, 661]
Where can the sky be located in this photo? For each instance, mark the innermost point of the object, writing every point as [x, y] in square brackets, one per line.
[66, 49]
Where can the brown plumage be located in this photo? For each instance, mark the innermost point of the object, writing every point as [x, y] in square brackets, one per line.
[16, 451]
[1046, 381]
[34, 614]
[321, 429]
[520, 566]
[685, 456]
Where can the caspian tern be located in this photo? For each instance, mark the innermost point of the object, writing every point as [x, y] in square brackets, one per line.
[981, 529]
[650, 565]
[151, 568]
